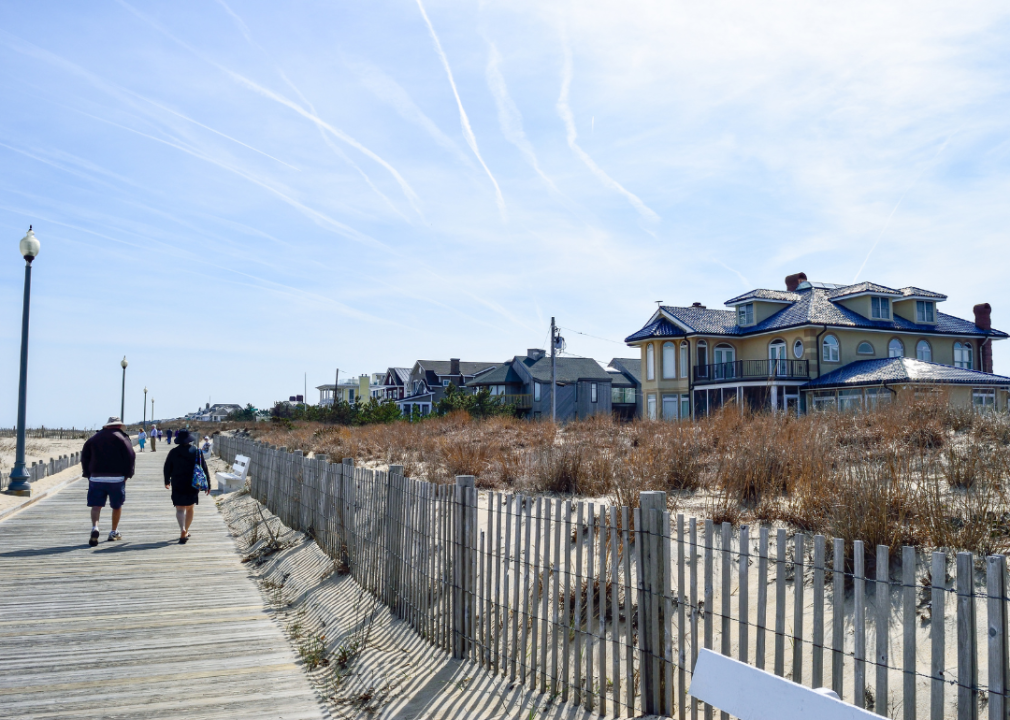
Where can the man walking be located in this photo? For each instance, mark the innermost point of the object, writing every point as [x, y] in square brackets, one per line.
[108, 461]
[154, 436]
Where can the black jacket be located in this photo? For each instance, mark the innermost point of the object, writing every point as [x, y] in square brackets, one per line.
[179, 466]
[108, 453]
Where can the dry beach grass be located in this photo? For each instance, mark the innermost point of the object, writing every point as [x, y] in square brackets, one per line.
[919, 472]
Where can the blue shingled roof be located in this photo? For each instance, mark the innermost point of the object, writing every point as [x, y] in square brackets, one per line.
[903, 370]
[763, 294]
[815, 306]
[661, 327]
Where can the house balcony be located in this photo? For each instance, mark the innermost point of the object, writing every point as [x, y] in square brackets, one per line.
[523, 401]
[752, 370]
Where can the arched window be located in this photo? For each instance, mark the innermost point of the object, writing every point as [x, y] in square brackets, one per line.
[650, 362]
[830, 349]
[798, 349]
[865, 349]
[669, 360]
[962, 355]
[923, 351]
[895, 348]
[685, 361]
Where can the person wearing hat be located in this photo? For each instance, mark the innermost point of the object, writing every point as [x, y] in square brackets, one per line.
[179, 467]
[108, 461]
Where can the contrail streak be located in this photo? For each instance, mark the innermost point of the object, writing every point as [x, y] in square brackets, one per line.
[565, 111]
[898, 204]
[242, 80]
[464, 121]
[509, 117]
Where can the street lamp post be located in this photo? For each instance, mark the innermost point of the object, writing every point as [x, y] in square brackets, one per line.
[122, 398]
[144, 424]
[19, 477]
[152, 409]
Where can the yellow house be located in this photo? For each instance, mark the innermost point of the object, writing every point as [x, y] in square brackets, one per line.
[814, 345]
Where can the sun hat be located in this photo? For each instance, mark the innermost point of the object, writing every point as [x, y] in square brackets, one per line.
[112, 422]
[183, 436]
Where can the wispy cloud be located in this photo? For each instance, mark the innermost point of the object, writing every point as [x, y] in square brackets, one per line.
[898, 204]
[464, 121]
[565, 111]
[509, 117]
[391, 92]
[287, 102]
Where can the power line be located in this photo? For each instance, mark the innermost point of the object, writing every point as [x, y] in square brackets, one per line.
[595, 337]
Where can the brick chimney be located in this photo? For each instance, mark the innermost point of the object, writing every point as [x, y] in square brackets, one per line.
[793, 281]
[454, 366]
[983, 321]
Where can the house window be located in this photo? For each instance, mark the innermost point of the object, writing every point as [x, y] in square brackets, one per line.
[650, 406]
[798, 349]
[824, 400]
[925, 311]
[417, 386]
[962, 355]
[536, 392]
[850, 399]
[445, 383]
[923, 351]
[669, 366]
[593, 395]
[685, 407]
[895, 348]
[650, 362]
[875, 396]
[684, 354]
[830, 349]
[670, 407]
[745, 314]
[880, 308]
[983, 398]
[703, 359]
[864, 349]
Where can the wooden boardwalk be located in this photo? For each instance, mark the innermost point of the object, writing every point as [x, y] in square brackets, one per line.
[141, 628]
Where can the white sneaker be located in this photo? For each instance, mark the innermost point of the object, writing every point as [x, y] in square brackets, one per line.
[115, 535]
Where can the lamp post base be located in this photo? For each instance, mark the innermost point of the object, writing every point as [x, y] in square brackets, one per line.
[19, 492]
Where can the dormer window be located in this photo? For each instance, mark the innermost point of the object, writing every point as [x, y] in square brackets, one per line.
[745, 314]
[925, 311]
[880, 308]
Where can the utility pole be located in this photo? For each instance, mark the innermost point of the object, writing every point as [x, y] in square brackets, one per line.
[554, 372]
[336, 381]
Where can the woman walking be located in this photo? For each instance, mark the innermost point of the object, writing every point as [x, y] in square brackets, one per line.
[179, 468]
[141, 439]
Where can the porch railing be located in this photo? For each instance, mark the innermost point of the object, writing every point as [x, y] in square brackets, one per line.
[751, 370]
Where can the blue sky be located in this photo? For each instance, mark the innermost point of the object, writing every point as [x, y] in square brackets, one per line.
[235, 193]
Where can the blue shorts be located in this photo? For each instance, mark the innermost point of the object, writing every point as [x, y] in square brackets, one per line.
[98, 492]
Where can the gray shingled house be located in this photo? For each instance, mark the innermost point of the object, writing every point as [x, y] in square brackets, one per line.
[428, 380]
[585, 387]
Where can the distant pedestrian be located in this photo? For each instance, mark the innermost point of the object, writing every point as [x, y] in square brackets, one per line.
[168, 436]
[107, 461]
[180, 466]
[206, 444]
[141, 439]
[154, 437]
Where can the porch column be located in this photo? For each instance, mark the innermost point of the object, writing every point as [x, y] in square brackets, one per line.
[775, 398]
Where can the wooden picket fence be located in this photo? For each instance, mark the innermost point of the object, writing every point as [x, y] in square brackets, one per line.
[39, 469]
[44, 433]
[607, 607]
